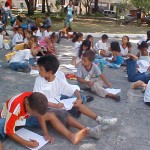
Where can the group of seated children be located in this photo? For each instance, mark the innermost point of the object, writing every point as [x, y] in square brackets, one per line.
[35, 108]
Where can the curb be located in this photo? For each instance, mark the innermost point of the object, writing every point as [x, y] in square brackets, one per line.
[115, 35]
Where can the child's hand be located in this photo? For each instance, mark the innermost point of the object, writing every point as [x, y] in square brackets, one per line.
[32, 144]
[77, 103]
[49, 138]
[90, 84]
[60, 105]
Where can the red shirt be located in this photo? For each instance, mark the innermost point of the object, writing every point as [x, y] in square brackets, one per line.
[14, 111]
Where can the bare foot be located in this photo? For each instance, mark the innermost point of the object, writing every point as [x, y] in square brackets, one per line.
[138, 84]
[79, 136]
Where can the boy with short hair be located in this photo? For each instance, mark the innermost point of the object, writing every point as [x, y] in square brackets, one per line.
[52, 86]
[17, 38]
[31, 109]
[89, 76]
[101, 47]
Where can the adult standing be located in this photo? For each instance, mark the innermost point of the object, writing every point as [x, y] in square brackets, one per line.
[69, 10]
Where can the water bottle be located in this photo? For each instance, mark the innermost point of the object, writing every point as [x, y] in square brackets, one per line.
[87, 78]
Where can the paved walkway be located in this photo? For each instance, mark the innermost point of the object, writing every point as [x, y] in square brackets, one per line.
[130, 133]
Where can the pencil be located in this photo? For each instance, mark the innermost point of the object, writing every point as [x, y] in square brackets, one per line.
[58, 101]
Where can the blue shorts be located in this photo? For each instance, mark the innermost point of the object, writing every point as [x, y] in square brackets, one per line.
[30, 122]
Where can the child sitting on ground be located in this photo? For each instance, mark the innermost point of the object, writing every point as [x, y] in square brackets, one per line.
[88, 75]
[49, 43]
[117, 59]
[91, 39]
[48, 31]
[125, 47]
[53, 86]
[143, 54]
[31, 110]
[27, 34]
[18, 37]
[23, 60]
[86, 44]
[132, 72]
[101, 47]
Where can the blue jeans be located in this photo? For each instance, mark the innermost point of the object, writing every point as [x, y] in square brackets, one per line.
[67, 20]
[18, 65]
[133, 75]
[30, 122]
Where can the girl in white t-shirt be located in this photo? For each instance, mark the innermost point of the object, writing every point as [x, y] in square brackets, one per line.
[77, 40]
[126, 46]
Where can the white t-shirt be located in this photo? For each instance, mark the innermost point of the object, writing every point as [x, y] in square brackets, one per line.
[22, 56]
[48, 33]
[147, 93]
[38, 33]
[124, 51]
[76, 48]
[17, 38]
[101, 46]
[55, 88]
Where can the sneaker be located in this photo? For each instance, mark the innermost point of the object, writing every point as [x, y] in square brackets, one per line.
[89, 98]
[95, 132]
[108, 122]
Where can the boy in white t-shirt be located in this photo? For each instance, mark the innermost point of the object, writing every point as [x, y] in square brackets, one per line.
[23, 60]
[17, 38]
[52, 86]
[101, 47]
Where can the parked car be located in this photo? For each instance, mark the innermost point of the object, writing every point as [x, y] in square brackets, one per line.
[39, 7]
[109, 13]
[147, 20]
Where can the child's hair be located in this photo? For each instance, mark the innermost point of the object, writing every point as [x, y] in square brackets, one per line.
[77, 36]
[47, 14]
[53, 35]
[89, 54]
[34, 28]
[18, 28]
[6, 4]
[49, 62]
[86, 43]
[42, 27]
[88, 37]
[143, 45]
[129, 43]
[19, 18]
[69, 29]
[38, 102]
[115, 46]
[104, 37]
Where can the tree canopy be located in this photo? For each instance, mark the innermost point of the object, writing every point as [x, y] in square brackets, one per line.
[144, 4]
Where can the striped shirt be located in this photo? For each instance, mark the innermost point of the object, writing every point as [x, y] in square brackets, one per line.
[14, 112]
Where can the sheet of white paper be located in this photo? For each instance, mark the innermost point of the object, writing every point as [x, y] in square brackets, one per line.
[71, 19]
[34, 72]
[27, 135]
[113, 91]
[71, 67]
[68, 103]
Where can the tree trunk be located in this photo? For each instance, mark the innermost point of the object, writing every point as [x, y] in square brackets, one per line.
[96, 5]
[35, 3]
[48, 7]
[43, 6]
[30, 6]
